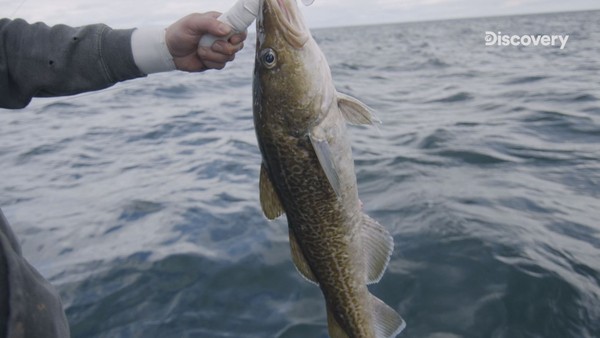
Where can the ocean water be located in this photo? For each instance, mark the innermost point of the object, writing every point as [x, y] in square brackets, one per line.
[140, 202]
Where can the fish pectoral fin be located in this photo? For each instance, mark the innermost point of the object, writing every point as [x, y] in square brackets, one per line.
[335, 329]
[269, 201]
[300, 261]
[378, 245]
[354, 111]
[388, 323]
[325, 156]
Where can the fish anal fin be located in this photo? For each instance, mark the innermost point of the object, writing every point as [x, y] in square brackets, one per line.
[269, 201]
[387, 322]
[378, 246]
[335, 329]
[354, 111]
[300, 261]
[325, 156]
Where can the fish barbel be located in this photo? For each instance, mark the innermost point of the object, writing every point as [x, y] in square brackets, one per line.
[308, 173]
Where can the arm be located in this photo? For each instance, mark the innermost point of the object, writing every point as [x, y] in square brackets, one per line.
[38, 60]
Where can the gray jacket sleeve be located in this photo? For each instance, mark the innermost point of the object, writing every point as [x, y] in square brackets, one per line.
[38, 60]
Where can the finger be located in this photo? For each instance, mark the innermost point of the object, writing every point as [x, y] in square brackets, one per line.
[214, 65]
[207, 23]
[213, 14]
[237, 38]
[223, 47]
[217, 64]
[239, 47]
[189, 64]
[208, 55]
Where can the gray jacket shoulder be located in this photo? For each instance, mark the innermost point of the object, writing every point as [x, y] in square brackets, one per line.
[29, 306]
[39, 60]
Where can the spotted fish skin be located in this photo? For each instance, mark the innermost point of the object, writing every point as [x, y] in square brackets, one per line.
[308, 173]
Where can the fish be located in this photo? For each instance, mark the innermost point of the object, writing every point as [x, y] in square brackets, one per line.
[307, 173]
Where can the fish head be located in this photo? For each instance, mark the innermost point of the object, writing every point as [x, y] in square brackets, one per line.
[292, 80]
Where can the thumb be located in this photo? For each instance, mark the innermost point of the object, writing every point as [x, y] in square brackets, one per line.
[207, 23]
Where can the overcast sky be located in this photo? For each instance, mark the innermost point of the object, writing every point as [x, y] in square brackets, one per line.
[323, 13]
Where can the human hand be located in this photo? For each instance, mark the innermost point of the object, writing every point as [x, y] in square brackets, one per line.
[182, 39]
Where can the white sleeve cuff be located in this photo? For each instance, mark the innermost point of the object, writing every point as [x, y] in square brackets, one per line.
[150, 51]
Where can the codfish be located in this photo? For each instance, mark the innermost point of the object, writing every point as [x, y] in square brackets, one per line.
[308, 173]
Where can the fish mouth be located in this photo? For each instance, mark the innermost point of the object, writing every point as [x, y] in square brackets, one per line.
[289, 19]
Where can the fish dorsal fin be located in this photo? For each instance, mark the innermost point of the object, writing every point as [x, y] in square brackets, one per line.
[300, 261]
[325, 156]
[354, 111]
[269, 201]
[378, 246]
[334, 328]
[388, 323]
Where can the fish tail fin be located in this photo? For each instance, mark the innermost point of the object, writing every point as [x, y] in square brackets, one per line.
[388, 323]
[378, 245]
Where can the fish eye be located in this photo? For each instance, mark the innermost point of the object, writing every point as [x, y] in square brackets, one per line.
[269, 58]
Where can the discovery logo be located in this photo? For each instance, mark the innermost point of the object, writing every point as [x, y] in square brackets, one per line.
[498, 39]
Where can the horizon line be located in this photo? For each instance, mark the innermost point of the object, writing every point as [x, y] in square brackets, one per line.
[457, 18]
